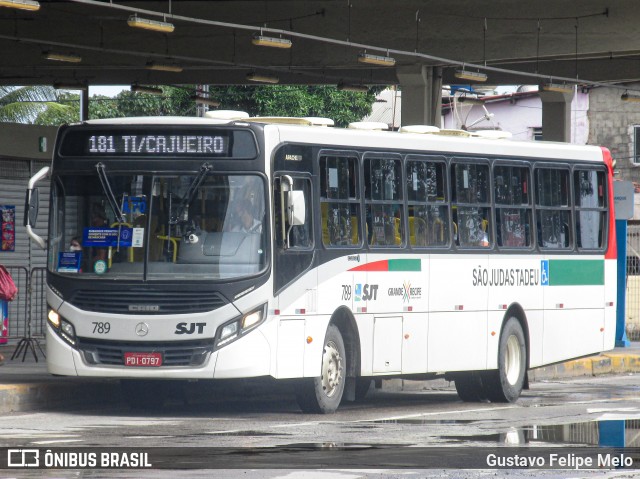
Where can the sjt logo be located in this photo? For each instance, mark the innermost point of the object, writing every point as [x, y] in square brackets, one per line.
[182, 328]
[366, 292]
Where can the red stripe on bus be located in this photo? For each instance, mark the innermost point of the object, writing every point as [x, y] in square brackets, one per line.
[612, 249]
[375, 266]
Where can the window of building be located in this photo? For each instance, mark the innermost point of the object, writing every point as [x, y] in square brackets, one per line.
[636, 144]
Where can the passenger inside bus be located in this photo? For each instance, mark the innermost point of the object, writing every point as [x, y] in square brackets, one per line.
[248, 223]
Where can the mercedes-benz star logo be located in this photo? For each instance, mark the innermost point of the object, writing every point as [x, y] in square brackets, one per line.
[142, 329]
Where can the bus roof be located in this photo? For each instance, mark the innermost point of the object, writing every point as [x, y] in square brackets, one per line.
[435, 141]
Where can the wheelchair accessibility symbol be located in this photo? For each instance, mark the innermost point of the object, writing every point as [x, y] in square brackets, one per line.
[544, 272]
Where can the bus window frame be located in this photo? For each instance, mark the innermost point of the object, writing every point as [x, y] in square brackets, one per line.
[472, 160]
[401, 159]
[446, 202]
[605, 208]
[549, 165]
[528, 165]
[357, 200]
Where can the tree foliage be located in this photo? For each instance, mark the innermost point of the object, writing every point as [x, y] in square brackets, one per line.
[22, 104]
[273, 100]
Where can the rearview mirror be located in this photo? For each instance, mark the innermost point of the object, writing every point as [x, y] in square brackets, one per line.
[296, 208]
[31, 206]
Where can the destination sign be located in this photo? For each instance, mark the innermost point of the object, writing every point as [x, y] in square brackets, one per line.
[158, 144]
[147, 142]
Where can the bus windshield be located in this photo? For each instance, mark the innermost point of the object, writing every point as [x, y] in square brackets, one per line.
[171, 226]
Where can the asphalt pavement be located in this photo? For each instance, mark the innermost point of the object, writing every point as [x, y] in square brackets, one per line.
[25, 384]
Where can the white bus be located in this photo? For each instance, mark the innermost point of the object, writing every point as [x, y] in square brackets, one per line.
[211, 249]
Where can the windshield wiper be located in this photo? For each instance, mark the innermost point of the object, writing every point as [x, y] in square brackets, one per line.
[106, 187]
[193, 189]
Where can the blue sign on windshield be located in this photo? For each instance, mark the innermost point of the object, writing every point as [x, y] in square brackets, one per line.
[105, 237]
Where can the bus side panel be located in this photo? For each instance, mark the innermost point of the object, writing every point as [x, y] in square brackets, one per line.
[514, 279]
[610, 301]
[574, 303]
[535, 322]
[415, 332]
[458, 313]
[396, 293]
[298, 319]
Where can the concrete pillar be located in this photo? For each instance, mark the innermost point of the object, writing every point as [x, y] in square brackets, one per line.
[421, 95]
[556, 115]
[84, 104]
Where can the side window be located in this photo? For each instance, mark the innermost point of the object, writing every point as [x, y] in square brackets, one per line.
[427, 202]
[511, 186]
[553, 208]
[339, 201]
[383, 199]
[471, 206]
[590, 193]
[300, 236]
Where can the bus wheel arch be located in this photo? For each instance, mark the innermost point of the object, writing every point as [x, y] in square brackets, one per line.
[506, 383]
[340, 363]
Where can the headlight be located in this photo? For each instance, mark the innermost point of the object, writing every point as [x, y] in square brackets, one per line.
[232, 330]
[63, 327]
[54, 318]
[229, 331]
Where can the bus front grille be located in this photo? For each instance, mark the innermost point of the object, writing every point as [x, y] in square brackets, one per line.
[112, 353]
[133, 301]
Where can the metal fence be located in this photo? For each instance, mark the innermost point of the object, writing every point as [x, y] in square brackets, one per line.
[28, 311]
[633, 282]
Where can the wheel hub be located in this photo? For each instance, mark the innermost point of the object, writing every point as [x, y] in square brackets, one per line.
[512, 360]
[331, 369]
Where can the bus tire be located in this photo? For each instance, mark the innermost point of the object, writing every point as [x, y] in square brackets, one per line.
[505, 384]
[469, 387]
[322, 395]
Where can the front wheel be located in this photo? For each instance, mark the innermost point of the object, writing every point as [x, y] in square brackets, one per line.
[505, 384]
[322, 395]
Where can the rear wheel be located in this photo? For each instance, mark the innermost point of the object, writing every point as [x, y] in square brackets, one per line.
[323, 394]
[506, 383]
[469, 387]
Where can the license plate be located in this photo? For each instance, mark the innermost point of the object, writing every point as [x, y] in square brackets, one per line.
[150, 360]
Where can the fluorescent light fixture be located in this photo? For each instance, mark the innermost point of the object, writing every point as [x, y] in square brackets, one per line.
[262, 78]
[31, 5]
[148, 24]
[627, 97]
[354, 88]
[62, 57]
[70, 86]
[471, 76]
[273, 42]
[557, 87]
[146, 89]
[205, 101]
[376, 59]
[164, 67]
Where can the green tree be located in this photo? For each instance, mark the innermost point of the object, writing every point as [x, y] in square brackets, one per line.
[294, 100]
[277, 100]
[22, 104]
